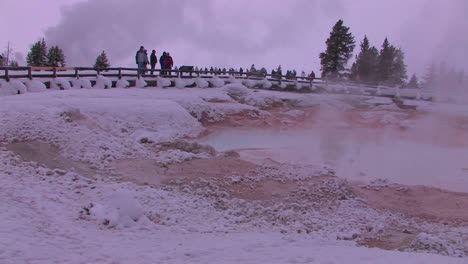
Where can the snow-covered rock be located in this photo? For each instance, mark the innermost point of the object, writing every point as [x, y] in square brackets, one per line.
[140, 83]
[81, 83]
[35, 86]
[103, 82]
[6, 88]
[266, 84]
[180, 83]
[202, 83]
[122, 83]
[18, 86]
[119, 209]
[163, 82]
[217, 82]
[60, 84]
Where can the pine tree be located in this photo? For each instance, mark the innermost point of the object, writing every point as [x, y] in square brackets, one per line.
[398, 69]
[55, 57]
[364, 69]
[414, 82]
[385, 64]
[340, 47]
[102, 62]
[37, 57]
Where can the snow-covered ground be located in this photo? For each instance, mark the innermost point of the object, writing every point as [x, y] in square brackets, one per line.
[98, 176]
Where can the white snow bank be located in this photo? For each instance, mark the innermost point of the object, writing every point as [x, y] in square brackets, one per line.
[140, 83]
[163, 82]
[180, 83]
[236, 90]
[120, 209]
[103, 82]
[249, 83]
[60, 84]
[266, 84]
[217, 82]
[122, 83]
[18, 86]
[6, 88]
[202, 83]
[81, 83]
[35, 86]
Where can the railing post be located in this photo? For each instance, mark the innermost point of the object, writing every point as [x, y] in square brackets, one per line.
[7, 77]
[29, 73]
[55, 72]
[120, 73]
[76, 73]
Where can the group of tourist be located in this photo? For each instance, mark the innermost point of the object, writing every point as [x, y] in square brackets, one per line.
[167, 63]
[142, 60]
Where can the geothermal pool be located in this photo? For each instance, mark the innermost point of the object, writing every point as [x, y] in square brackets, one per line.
[355, 154]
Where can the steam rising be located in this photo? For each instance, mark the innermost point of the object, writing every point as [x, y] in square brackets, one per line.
[238, 33]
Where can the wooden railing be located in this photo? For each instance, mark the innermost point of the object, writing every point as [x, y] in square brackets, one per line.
[76, 72]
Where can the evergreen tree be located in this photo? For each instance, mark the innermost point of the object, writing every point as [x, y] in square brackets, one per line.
[340, 47]
[398, 69]
[385, 64]
[414, 82]
[430, 79]
[364, 69]
[102, 62]
[37, 57]
[55, 57]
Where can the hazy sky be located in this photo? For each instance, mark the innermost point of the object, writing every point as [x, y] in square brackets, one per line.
[230, 33]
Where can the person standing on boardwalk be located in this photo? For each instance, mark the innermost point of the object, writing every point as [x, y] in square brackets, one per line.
[162, 61]
[169, 63]
[153, 61]
[141, 60]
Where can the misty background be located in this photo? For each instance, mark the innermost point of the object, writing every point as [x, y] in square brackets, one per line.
[224, 33]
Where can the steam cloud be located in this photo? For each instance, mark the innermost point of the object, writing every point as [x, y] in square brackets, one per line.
[268, 33]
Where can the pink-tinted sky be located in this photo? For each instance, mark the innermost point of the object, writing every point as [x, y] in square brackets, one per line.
[237, 33]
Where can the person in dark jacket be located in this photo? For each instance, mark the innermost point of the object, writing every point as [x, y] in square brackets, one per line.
[162, 62]
[153, 61]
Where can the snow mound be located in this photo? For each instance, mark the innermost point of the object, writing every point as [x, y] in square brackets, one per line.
[81, 83]
[179, 83]
[217, 82]
[162, 82]
[236, 91]
[18, 86]
[266, 84]
[431, 244]
[202, 83]
[119, 209]
[103, 82]
[35, 86]
[233, 80]
[6, 89]
[283, 86]
[60, 84]
[141, 83]
[122, 84]
[249, 83]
